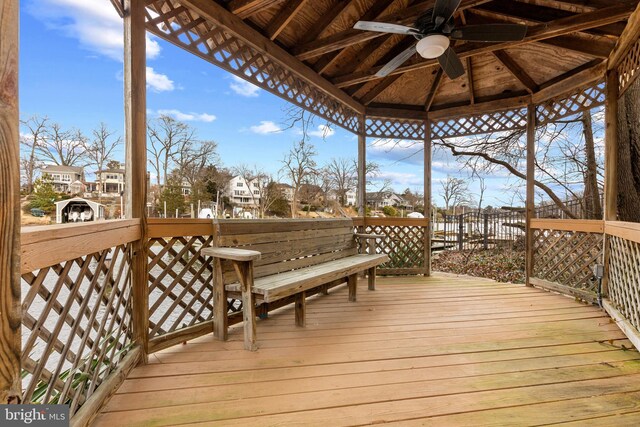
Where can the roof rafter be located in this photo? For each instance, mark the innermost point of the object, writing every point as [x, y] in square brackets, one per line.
[284, 17]
[516, 70]
[246, 8]
[433, 90]
[536, 33]
[472, 95]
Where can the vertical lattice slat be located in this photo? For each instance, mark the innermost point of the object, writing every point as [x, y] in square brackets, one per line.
[624, 278]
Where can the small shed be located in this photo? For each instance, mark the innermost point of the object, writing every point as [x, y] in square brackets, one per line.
[78, 210]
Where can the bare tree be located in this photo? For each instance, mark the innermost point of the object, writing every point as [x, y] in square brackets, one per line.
[299, 166]
[193, 161]
[455, 192]
[62, 147]
[342, 176]
[37, 127]
[99, 150]
[167, 139]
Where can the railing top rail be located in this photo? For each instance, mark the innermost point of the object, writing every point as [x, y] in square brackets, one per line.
[625, 230]
[576, 225]
[391, 221]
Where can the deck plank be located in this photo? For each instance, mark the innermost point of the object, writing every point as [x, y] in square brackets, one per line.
[417, 351]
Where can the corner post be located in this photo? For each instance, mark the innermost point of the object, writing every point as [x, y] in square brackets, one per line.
[10, 309]
[610, 164]
[427, 197]
[135, 100]
[530, 210]
[362, 168]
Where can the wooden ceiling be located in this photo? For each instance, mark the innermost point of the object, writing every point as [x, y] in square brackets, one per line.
[565, 38]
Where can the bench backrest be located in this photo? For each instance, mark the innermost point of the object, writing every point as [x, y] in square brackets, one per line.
[287, 244]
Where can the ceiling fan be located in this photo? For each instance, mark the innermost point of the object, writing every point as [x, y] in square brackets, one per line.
[434, 31]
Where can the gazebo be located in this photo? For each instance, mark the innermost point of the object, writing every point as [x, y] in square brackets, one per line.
[576, 55]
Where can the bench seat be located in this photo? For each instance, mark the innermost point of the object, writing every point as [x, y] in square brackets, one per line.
[278, 286]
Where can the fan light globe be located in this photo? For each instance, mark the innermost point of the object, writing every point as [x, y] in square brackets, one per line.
[432, 46]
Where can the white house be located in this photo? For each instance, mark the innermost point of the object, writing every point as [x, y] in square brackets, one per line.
[350, 197]
[244, 193]
[112, 181]
[63, 176]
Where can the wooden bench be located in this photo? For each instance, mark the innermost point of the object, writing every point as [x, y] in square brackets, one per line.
[263, 261]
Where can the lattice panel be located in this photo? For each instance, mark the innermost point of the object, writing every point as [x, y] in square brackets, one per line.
[403, 244]
[567, 258]
[76, 326]
[175, 23]
[624, 278]
[180, 283]
[480, 123]
[581, 100]
[395, 128]
[629, 68]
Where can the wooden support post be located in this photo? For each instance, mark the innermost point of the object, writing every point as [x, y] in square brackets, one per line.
[610, 164]
[362, 168]
[244, 270]
[531, 152]
[352, 283]
[301, 308]
[135, 111]
[427, 197]
[371, 279]
[10, 311]
[220, 320]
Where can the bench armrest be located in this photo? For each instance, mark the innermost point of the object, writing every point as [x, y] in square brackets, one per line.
[233, 254]
[370, 236]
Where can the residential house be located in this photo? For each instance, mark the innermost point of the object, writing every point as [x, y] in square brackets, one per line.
[379, 200]
[63, 176]
[350, 197]
[244, 193]
[112, 181]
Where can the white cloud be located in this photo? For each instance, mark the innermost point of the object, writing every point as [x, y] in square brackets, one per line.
[266, 127]
[401, 179]
[188, 117]
[244, 88]
[323, 131]
[397, 150]
[95, 24]
[159, 82]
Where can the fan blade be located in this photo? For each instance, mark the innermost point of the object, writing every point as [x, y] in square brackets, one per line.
[397, 61]
[490, 33]
[382, 27]
[444, 10]
[451, 64]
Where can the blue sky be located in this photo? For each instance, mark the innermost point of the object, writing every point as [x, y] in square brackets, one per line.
[71, 71]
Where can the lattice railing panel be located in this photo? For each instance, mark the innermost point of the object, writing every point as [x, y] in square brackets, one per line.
[175, 23]
[76, 325]
[629, 67]
[180, 283]
[403, 244]
[480, 123]
[581, 100]
[395, 128]
[624, 278]
[567, 258]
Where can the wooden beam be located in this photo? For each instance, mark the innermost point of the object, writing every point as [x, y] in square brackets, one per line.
[483, 107]
[427, 195]
[284, 17]
[135, 112]
[325, 21]
[215, 13]
[351, 36]
[536, 33]
[10, 309]
[530, 211]
[379, 88]
[574, 81]
[472, 90]
[628, 38]
[516, 70]
[246, 8]
[387, 112]
[117, 4]
[433, 90]
[362, 168]
[611, 148]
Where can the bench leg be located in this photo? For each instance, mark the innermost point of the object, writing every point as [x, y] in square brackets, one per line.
[244, 269]
[352, 282]
[220, 320]
[301, 307]
[325, 289]
[371, 280]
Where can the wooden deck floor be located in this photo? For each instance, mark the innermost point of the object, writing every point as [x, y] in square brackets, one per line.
[443, 351]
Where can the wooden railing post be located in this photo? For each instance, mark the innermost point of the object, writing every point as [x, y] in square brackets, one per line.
[531, 147]
[427, 197]
[362, 168]
[10, 312]
[135, 97]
